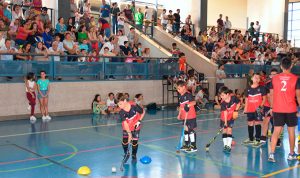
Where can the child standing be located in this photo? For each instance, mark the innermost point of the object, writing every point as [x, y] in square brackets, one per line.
[30, 93]
[43, 94]
[131, 116]
[230, 105]
[187, 112]
[255, 100]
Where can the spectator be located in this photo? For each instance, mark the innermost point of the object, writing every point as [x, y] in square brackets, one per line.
[43, 87]
[7, 49]
[42, 50]
[188, 20]
[61, 28]
[26, 48]
[17, 13]
[105, 27]
[94, 56]
[73, 10]
[82, 34]
[70, 24]
[70, 47]
[251, 30]
[139, 19]
[114, 12]
[108, 44]
[149, 17]
[122, 38]
[220, 74]
[164, 19]
[170, 22]
[132, 37]
[6, 11]
[23, 32]
[146, 52]
[128, 13]
[125, 48]
[257, 29]
[54, 50]
[175, 51]
[176, 25]
[121, 21]
[40, 24]
[220, 25]
[47, 37]
[45, 17]
[84, 45]
[37, 4]
[111, 104]
[227, 25]
[86, 7]
[30, 87]
[92, 37]
[105, 11]
[98, 106]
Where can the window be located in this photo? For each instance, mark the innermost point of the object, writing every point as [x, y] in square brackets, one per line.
[294, 23]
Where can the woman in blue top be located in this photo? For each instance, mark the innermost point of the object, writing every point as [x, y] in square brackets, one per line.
[43, 93]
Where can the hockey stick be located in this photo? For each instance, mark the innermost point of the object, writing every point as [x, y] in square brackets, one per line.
[182, 135]
[213, 139]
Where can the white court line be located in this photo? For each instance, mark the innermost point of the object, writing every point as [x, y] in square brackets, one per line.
[86, 127]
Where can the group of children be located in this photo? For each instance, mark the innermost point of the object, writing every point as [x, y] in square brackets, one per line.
[273, 102]
[110, 106]
[42, 87]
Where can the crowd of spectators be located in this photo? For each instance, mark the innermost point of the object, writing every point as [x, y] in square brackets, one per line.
[225, 45]
[25, 27]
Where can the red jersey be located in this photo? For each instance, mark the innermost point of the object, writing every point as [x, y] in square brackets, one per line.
[183, 100]
[254, 97]
[230, 107]
[284, 87]
[132, 116]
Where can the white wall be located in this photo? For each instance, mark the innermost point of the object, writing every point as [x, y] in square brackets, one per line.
[270, 14]
[236, 10]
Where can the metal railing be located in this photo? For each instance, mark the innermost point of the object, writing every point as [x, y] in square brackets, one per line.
[151, 68]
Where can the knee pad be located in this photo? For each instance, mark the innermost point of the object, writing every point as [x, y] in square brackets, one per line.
[125, 141]
[135, 143]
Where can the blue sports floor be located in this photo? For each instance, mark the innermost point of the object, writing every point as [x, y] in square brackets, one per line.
[58, 148]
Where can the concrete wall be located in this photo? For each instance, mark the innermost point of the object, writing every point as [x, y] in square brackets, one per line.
[236, 83]
[236, 10]
[75, 96]
[270, 14]
[198, 61]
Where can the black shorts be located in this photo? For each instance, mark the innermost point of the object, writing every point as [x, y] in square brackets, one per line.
[290, 119]
[253, 116]
[191, 123]
[266, 111]
[229, 123]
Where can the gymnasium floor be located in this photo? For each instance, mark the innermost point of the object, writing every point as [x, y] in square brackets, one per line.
[58, 148]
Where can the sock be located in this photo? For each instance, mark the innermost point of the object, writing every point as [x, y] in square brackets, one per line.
[251, 132]
[193, 138]
[229, 140]
[186, 138]
[135, 146]
[224, 139]
[125, 145]
[257, 132]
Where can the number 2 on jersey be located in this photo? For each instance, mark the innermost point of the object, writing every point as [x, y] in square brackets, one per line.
[283, 88]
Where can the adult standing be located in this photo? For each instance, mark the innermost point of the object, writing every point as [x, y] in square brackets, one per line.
[105, 11]
[220, 73]
[73, 10]
[139, 18]
[176, 25]
[164, 19]
[227, 25]
[220, 23]
[114, 13]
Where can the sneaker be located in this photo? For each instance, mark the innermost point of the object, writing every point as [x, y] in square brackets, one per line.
[257, 144]
[28, 107]
[32, 119]
[271, 158]
[44, 118]
[48, 118]
[184, 148]
[248, 142]
[191, 149]
[292, 157]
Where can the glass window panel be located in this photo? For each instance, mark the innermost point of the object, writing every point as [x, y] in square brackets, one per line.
[296, 15]
[290, 25]
[289, 35]
[295, 25]
[290, 15]
[296, 6]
